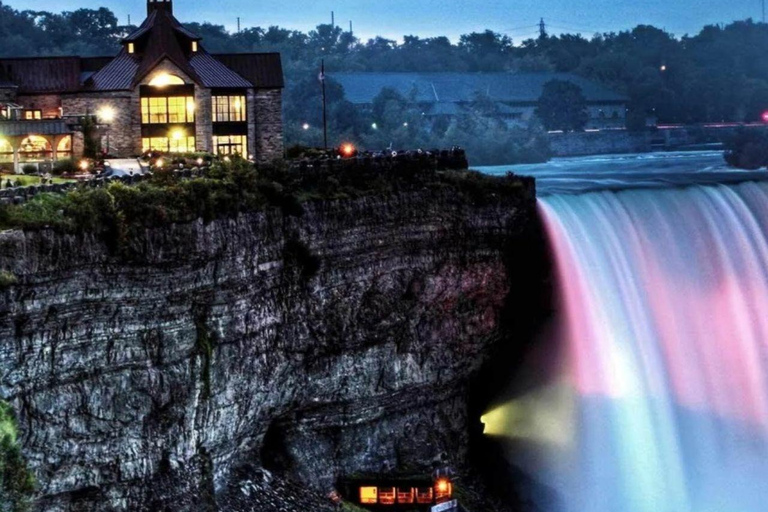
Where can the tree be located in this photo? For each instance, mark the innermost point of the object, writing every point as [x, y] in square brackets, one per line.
[562, 106]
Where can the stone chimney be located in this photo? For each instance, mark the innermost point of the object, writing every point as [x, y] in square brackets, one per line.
[158, 5]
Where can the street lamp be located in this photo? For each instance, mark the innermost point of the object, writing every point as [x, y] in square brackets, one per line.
[305, 126]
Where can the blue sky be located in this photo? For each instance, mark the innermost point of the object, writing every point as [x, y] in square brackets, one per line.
[394, 18]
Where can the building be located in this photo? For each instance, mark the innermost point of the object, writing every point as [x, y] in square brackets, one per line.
[515, 95]
[163, 91]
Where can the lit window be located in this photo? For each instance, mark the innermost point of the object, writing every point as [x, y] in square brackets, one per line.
[6, 151]
[164, 79]
[64, 147]
[443, 489]
[369, 495]
[407, 495]
[33, 114]
[177, 109]
[387, 495]
[424, 495]
[36, 147]
[230, 144]
[131, 48]
[174, 144]
[228, 109]
[194, 46]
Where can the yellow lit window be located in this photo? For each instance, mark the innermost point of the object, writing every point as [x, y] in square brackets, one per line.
[163, 79]
[177, 109]
[6, 151]
[443, 489]
[230, 144]
[194, 46]
[369, 495]
[131, 48]
[33, 114]
[64, 146]
[229, 109]
[174, 144]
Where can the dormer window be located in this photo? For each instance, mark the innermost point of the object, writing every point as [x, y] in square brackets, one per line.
[131, 48]
[194, 46]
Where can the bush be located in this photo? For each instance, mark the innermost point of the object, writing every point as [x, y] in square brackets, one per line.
[16, 481]
[29, 169]
[65, 166]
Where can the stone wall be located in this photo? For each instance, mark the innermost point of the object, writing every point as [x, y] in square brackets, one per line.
[49, 103]
[203, 119]
[269, 124]
[122, 130]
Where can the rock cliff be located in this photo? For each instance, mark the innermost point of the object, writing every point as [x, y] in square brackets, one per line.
[317, 346]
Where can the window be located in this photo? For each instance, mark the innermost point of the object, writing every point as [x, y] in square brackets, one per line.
[33, 114]
[230, 144]
[178, 109]
[406, 495]
[424, 495]
[131, 48]
[194, 46]
[229, 109]
[369, 495]
[175, 144]
[6, 151]
[443, 489]
[163, 79]
[35, 147]
[64, 147]
[387, 495]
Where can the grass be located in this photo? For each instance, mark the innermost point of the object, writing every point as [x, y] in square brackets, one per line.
[29, 180]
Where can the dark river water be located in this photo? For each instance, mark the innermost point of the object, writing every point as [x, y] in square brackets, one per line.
[616, 172]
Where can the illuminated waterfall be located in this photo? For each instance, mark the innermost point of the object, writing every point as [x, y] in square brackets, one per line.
[664, 321]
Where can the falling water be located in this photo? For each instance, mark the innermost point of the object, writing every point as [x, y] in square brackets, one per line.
[663, 319]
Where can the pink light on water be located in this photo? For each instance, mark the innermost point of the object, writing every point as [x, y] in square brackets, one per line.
[664, 317]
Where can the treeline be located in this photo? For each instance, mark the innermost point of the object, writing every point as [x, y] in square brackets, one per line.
[719, 74]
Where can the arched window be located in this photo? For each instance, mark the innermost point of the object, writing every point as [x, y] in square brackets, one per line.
[6, 151]
[64, 147]
[163, 79]
[35, 147]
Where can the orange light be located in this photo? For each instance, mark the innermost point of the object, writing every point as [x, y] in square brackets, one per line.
[442, 486]
[347, 149]
[84, 165]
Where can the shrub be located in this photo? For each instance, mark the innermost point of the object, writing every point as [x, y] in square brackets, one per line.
[29, 169]
[16, 481]
[65, 166]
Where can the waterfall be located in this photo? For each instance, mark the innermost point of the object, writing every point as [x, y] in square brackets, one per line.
[663, 324]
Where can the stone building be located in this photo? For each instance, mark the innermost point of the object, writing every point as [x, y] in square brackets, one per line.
[163, 91]
[514, 95]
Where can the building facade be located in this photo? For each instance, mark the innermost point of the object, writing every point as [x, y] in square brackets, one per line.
[163, 91]
[515, 95]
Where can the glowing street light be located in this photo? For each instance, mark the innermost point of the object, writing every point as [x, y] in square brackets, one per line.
[106, 114]
[663, 67]
[347, 149]
[305, 126]
[405, 124]
[84, 165]
[765, 116]
[375, 126]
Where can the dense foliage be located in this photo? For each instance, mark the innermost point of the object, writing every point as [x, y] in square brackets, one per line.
[562, 106]
[719, 74]
[16, 482]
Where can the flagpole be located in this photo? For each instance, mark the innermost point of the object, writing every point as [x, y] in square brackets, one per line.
[325, 112]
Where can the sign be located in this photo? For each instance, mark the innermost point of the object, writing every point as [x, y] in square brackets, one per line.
[448, 506]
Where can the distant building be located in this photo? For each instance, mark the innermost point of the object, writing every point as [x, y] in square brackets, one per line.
[163, 91]
[516, 95]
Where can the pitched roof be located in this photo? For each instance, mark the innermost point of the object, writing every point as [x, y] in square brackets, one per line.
[213, 73]
[43, 74]
[362, 88]
[263, 70]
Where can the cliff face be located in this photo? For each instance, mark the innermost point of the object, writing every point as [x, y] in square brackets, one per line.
[337, 342]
